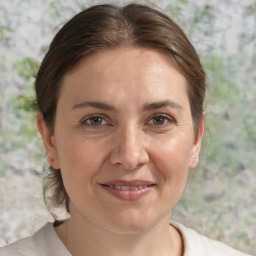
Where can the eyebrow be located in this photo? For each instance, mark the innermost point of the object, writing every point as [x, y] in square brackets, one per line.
[162, 104]
[146, 107]
[94, 104]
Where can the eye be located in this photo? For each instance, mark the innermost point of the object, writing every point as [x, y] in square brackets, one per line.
[161, 120]
[94, 120]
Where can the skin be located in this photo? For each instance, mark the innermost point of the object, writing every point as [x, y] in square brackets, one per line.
[132, 139]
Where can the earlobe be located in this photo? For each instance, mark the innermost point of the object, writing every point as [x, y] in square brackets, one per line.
[48, 139]
[197, 145]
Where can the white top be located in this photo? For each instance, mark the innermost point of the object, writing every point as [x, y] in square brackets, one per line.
[45, 242]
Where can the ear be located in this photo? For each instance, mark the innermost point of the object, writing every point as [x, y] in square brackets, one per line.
[197, 145]
[49, 141]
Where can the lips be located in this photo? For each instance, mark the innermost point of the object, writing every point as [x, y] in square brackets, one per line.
[128, 190]
[127, 187]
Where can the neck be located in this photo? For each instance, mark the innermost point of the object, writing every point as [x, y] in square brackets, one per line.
[87, 239]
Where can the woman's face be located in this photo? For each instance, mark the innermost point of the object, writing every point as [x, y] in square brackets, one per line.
[123, 139]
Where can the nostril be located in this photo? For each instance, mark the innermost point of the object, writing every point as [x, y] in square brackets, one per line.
[139, 165]
[128, 166]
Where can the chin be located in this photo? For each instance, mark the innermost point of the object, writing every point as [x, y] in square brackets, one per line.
[132, 222]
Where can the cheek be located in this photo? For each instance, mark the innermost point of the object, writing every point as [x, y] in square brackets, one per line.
[79, 160]
[172, 151]
[172, 159]
[77, 151]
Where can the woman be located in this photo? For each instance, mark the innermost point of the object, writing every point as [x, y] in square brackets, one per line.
[120, 97]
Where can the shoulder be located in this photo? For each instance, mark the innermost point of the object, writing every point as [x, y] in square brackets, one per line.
[198, 245]
[44, 242]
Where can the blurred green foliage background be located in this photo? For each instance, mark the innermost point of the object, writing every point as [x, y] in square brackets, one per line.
[220, 198]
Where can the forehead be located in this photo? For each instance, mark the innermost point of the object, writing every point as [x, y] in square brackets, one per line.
[124, 73]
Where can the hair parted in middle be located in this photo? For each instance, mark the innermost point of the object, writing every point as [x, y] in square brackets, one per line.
[109, 26]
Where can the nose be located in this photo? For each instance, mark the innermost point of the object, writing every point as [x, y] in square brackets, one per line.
[129, 151]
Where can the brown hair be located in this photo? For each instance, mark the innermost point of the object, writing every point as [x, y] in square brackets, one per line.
[109, 26]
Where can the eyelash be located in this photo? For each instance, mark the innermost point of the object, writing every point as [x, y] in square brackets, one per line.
[167, 120]
[84, 121]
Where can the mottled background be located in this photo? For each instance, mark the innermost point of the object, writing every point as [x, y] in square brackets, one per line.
[220, 199]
